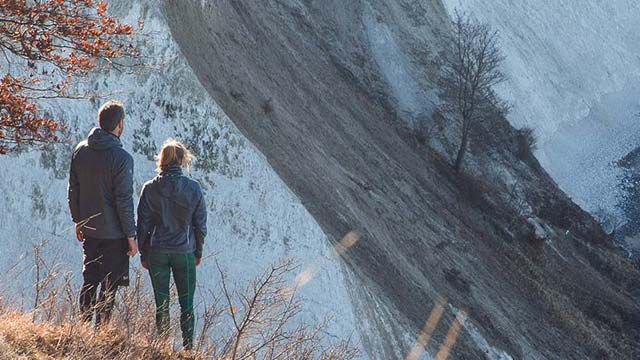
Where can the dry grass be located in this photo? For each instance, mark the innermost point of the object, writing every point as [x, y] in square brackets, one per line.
[256, 320]
[23, 338]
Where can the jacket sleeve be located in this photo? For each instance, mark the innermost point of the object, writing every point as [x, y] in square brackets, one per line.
[145, 223]
[73, 194]
[123, 191]
[200, 222]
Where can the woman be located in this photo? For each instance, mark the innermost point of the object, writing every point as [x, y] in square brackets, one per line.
[172, 225]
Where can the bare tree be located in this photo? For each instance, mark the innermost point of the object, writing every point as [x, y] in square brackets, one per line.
[263, 323]
[470, 68]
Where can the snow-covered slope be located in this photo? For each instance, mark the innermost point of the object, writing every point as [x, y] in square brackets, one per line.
[254, 219]
[574, 76]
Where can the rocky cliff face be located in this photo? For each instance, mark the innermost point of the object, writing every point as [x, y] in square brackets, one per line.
[324, 89]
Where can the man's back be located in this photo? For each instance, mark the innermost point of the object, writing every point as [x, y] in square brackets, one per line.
[101, 204]
[101, 187]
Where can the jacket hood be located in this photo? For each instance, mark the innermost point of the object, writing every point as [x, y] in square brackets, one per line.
[171, 185]
[100, 139]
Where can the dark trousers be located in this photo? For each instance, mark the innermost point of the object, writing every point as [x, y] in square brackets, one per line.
[102, 307]
[106, 265]
[183, 268]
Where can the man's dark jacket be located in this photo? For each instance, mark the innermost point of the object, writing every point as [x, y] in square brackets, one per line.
[172, 214]
[101, 187]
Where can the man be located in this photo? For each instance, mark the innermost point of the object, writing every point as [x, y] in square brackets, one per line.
[101, 204]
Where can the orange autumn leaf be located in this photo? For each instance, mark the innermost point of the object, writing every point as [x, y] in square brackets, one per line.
[101, 8]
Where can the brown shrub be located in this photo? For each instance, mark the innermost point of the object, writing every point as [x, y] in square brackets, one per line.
[527, 143]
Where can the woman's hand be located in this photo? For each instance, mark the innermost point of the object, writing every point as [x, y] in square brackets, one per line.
[198, 260]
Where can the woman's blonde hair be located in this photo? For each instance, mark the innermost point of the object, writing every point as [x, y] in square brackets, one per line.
[173, 152]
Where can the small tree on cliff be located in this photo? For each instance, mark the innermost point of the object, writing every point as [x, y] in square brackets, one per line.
[470, 68]
[44, 45]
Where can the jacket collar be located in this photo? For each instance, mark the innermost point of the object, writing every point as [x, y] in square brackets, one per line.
[171, 170]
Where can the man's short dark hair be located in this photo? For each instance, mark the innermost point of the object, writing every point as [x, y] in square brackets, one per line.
[110, 115]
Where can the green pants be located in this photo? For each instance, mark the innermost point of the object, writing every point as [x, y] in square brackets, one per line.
[183, 266]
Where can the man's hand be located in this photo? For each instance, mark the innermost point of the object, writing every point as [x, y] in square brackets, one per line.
[79, 235]
[144, 264]
[133, 247]
[198, 260]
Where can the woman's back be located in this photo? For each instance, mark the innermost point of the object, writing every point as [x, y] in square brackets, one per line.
[172, 215]
[171, 205]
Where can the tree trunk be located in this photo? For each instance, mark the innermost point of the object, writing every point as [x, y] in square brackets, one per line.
[462, 150]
